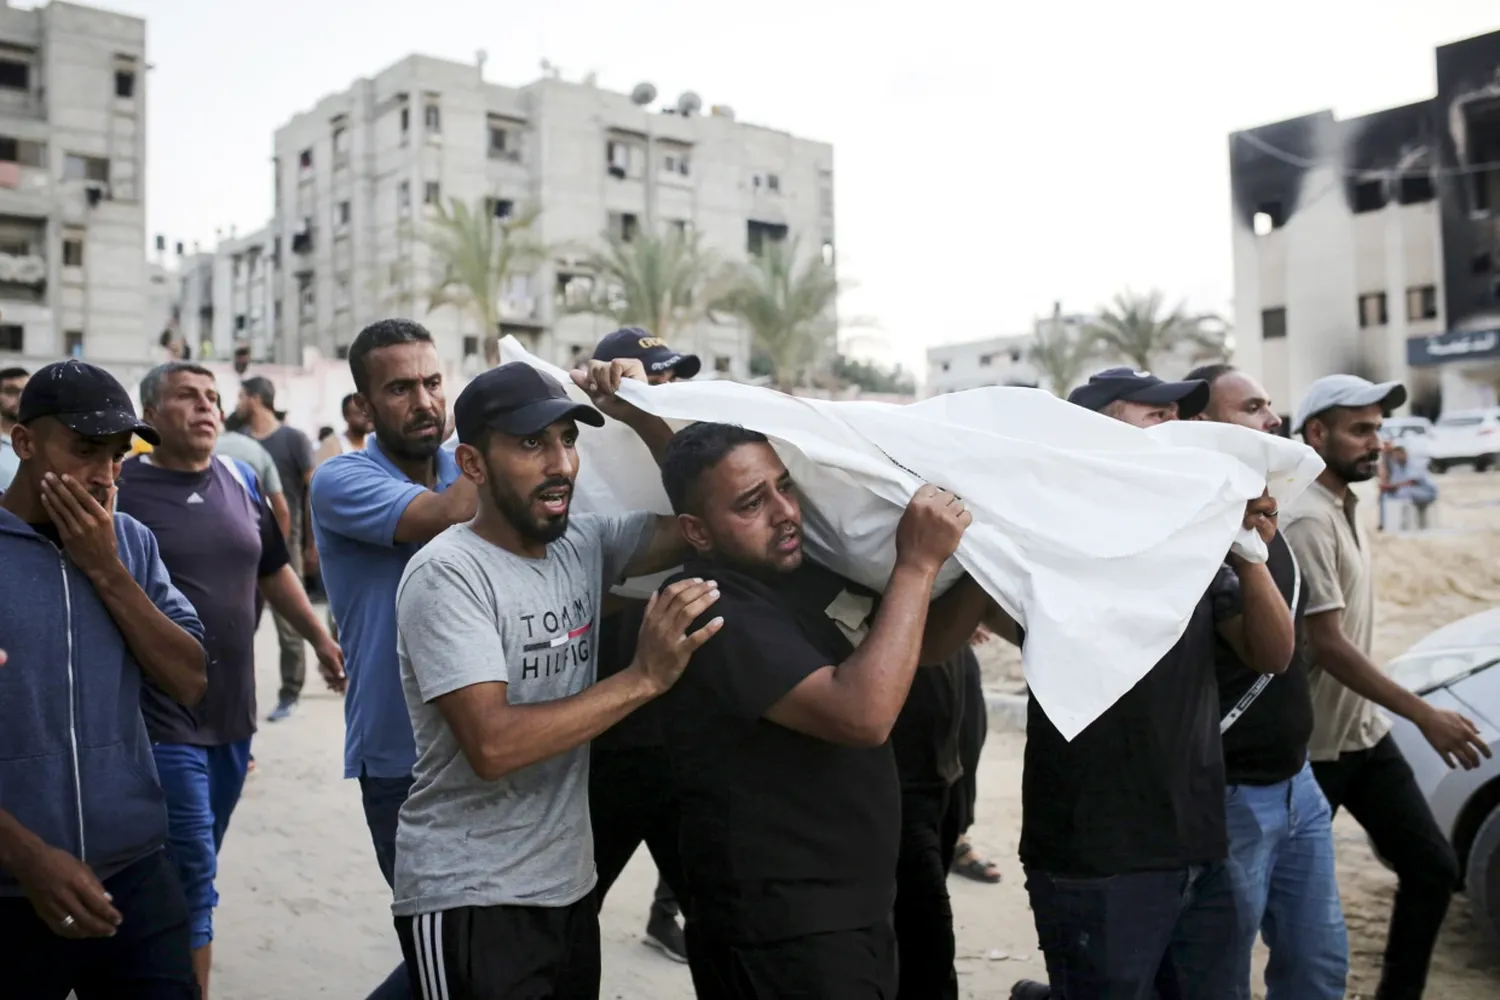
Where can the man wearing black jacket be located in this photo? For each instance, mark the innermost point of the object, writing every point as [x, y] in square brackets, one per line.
[1280, 826]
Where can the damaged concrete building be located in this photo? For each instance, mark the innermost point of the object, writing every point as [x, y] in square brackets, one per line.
[1372, 244]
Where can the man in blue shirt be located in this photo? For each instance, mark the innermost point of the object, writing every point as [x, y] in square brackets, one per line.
[88, 902]
[371, 511]
[220, 541]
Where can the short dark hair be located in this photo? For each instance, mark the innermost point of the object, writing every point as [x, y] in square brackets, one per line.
[17, 372]
[345, 403]
[693, 451]
[382, 333]
[1209, 373]
[262, 389]
[151, 384]
[325, 432]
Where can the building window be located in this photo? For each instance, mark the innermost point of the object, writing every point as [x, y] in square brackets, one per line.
[73, 251]
[22, 152]
[500, 208]
[432, 194]
[505, 142]
[675, 163]
[617, 159]
[828, 257]
[12, 337]
[15, 75]
[985, 360]
[1372, 310]
[343, 213]
[1273, 323]
[124, 83]
[773, 183]
[758, 234]
[623, 226]
[403, 197]
[722, 364]
[1415, 188]
[1269, 215]
[1421, 302]
[73, 343]
[1369, 196]
[85, 168]
[304, 159]
[340, 140]
[405, 120]
[432, 118]
[471, 346]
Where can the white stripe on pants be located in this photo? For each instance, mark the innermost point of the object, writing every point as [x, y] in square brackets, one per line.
[432, 972]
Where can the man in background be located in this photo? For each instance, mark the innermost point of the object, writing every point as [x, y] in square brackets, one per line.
[351, 438]
[1280, 826]
[12, 381]
[630, 779]
[233, 444]
[371, 511]
[1406, 479]
[292, 452]
[1354, 758]
[221, 545]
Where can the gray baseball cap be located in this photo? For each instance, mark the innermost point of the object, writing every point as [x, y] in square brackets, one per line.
[1346, 390]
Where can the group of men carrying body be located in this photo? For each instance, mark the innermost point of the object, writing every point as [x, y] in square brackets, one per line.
[776, 686]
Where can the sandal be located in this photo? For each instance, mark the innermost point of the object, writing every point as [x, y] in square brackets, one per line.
[971, 866]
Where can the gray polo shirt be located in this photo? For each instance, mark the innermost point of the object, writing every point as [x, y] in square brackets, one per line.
[469, 612]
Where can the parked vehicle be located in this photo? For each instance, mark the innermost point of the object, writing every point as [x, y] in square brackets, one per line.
[1458, 668]
[1411, 432]
[1466, 437]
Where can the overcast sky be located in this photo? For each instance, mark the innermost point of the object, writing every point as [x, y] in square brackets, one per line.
[989, 158]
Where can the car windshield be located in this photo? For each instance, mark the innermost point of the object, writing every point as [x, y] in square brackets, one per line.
[1460, 421]
[1424, 671]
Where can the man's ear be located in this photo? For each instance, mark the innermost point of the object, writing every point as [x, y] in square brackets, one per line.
[695, 531]
[471, 463]
[23, 440]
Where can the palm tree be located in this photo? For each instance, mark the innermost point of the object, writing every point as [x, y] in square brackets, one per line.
[788, 309]
[475, 256]
[1060, 352]
[663, 283]
[1133, 327]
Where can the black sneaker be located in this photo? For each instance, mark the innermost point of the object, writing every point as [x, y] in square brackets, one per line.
[665, 935]
[1030, 989]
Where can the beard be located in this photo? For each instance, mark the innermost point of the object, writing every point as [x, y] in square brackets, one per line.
[1358, 470]
[517, 509]
[404, 443]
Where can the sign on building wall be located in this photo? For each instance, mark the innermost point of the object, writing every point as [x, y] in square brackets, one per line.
[1452, 345]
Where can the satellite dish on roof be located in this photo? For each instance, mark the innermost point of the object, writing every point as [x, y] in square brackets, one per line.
[689, 104]
[643, 94]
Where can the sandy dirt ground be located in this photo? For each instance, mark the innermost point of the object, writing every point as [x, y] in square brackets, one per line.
[304, 912]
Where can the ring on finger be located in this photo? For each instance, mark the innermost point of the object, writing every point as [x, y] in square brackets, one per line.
[68, 923]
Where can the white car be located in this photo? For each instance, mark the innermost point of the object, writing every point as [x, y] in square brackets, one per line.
[1466, 437]
[1458, 668]
[1414, 433]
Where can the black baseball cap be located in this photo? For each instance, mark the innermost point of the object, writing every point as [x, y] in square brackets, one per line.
[1134, 386]
[516, 399]
[84, 398]
[653, 353]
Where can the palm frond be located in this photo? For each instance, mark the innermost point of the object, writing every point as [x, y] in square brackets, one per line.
[789, 310]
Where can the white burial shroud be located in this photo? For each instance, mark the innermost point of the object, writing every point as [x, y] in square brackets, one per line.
[1098, 537]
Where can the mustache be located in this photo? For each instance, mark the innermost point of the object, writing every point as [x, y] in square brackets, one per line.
[548, 485]
[422, 423]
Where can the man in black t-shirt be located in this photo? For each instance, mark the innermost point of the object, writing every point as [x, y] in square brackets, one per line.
[778, 733]
[1280, 826]
[630, 796]
[1123, 834]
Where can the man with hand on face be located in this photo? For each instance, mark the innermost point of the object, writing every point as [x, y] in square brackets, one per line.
[88, 899]
[497, 624]
[220, 542]
[1280, 827]
[371, 511]
[630, 781]
[1122, 830]
[778, 734]
[1354, 758]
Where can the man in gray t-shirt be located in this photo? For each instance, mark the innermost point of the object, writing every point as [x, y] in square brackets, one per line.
[496, 638]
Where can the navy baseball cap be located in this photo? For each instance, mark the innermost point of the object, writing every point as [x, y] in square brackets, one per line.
[516, 399]
[1134, 386]
[84, 398]
[653, 353]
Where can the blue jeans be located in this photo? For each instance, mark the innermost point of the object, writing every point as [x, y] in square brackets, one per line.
[1169, 934]
[202, 785]
[382, 799]
[1282, 837]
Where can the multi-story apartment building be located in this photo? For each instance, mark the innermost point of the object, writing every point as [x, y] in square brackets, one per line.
[73, 275]
[1372, 244]
[227, 296]
[359, 176]
[974, 364]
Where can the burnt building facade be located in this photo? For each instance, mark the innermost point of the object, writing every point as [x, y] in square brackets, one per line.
[1372, 244]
